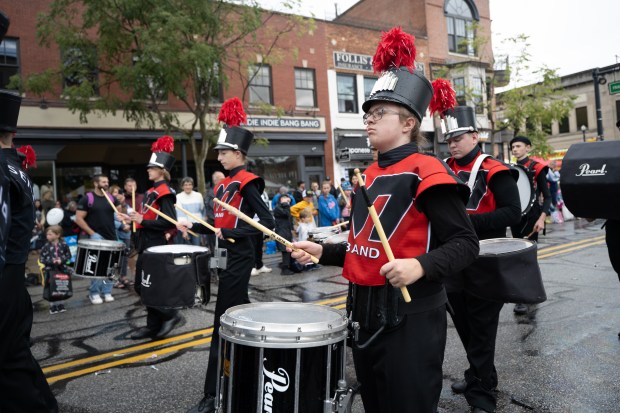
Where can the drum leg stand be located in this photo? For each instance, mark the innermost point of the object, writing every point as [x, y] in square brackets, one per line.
[114, 273]
[341, 403]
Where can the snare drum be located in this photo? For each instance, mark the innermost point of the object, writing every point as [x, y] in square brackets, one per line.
[320, 234]
[280, 357]
[98, 258]
[527, 194]
[506, 271]
[171, 275]
[341, 238]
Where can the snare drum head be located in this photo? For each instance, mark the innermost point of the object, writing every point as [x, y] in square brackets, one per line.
[498, 246]
[527, 195]
[341, 238]
[177, 249]
[101, 244]
[287, 325]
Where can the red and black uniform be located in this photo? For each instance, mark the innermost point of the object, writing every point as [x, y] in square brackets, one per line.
[492, 207]
[242, 190]
[538, 174]
[420, 204]
[22, 384]
[150, 233]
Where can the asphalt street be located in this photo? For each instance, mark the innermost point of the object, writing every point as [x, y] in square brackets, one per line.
[563, 356]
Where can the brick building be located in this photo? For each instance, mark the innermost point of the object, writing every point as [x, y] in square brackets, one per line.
[319, 90]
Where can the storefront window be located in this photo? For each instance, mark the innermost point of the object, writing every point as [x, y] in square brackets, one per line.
[277, 171]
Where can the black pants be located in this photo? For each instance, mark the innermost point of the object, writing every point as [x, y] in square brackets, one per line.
[232, 290]
[526, 225]
[23, 387]
[155, 317]
[476, 322]
[257, 241]
[612, 236]
[401, 370]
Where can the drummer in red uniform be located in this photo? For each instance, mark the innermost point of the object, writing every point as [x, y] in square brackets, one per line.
[241, 189]
[399, 352]
[493, 206]
[151, 230]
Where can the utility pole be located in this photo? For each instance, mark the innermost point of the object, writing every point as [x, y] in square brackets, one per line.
[598, 76]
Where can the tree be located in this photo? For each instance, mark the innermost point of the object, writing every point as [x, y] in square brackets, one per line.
[530, 110]
[150, 58]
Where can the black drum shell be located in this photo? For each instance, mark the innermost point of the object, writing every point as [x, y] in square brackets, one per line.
[97, 258]
[507, 277]
[590, 179]
[166, 284]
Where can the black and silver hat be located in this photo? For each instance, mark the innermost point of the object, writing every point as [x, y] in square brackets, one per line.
[232, 136]
[161, 156]
[458, 121]
[10, 103]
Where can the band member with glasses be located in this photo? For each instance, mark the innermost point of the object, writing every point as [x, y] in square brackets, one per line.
[399, 350]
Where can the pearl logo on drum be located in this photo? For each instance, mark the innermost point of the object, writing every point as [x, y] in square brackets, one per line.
[92, 259]
[273, 382]
[584, 170]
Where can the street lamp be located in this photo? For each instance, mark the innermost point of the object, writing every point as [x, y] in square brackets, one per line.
[583, 130]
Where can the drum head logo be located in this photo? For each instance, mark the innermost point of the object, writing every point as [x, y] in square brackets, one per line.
[146, 281]
[92, 259]
[274, 382]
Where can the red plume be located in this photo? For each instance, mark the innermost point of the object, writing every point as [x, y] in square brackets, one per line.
[396, 49]
[232, 112]
[163, 144]
[444, 97]
[31, 157]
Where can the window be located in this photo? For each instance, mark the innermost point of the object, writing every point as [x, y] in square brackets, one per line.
[460, 16]
[260, 85]
[146, 87]
[582, 117]
[617, 110]
[563, 125]
[9, 64]
[478, 95]
[305, 95]
[369, 83]
[347, 94]
[79, 66]
[459, 87]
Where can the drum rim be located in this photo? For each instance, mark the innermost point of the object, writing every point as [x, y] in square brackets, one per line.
[489, 241]
[101, 244]
[256, 335]
[191, 249]
[341, 234]
[522, 170]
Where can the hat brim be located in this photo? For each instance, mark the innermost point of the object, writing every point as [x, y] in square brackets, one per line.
[231, 147]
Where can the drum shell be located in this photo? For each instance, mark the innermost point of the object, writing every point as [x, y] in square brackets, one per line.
[319, 235]
[527, 194]
[508, 277]
[97, 258]
[169, 279]
[590, 179]
[279, 365]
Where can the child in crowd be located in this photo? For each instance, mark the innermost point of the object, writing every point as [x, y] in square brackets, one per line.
[344, 202]
[284, 228]
[306, 224]
[123, 233]
[54, 255]
[328, 207]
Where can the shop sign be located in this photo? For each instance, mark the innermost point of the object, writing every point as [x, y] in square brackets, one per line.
[354, 61]
[284, 123]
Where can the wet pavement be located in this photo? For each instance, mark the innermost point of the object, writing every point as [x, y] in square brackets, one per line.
[563, 356]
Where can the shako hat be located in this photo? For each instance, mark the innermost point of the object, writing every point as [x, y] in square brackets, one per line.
[458, 121]
[399, 82]
[10, 103]
[232, 136]
[161, 156]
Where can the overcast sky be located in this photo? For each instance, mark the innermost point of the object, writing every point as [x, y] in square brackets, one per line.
[567, 35]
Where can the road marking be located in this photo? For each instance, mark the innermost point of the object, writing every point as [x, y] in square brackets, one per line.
[336, 302]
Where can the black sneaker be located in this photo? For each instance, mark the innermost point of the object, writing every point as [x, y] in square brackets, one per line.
[520, 309]
[61, 308]
[206, 405]
[53, 309]
[286, 271]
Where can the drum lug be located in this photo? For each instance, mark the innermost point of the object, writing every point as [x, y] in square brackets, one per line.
[341, 403]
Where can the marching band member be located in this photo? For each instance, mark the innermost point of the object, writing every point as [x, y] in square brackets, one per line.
[22, 383]
[493, 206]
[421, 207]
[242, 190]
[151, 230]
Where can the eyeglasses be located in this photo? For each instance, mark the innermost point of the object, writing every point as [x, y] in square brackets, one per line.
[377, 114]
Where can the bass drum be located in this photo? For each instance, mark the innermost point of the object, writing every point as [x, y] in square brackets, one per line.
[527, 194]
[280, 357]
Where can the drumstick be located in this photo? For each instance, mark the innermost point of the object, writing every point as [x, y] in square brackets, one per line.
[105, 195]
[375, 220]
[337, 225]
[200, 221]
[167, 218]
[262, 228]
[133, 205]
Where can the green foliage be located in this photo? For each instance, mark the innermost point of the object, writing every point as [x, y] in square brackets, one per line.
[135, 55]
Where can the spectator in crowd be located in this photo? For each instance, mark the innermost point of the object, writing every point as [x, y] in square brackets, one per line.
[553, 177]
[306, 224]
[344, 202]
[283, 190]
[306, 202]
[299, 193]
[123, 233]
[130, 186]
[332, 188]
[328, 207]
[54, 255]
[316, 191]
[68, 224]
[284, 228]
[193, 202]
